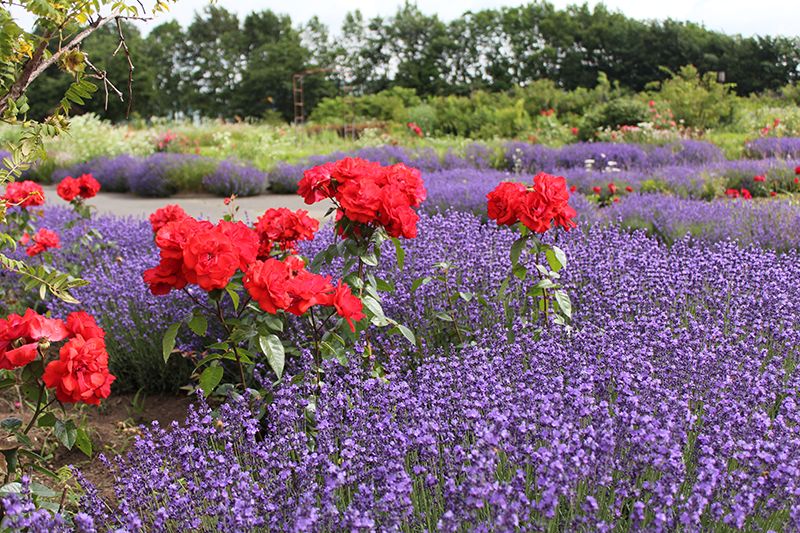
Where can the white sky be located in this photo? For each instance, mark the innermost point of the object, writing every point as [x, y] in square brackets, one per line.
[745, 17]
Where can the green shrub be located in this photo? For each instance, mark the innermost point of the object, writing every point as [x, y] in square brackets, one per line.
[697, 102]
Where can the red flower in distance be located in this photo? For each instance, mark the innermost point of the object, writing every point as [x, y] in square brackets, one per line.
[797, 171]
[166, 214]
[25, 239]
[596, 190]
[733, 193]
[573, 188]
[612, 188]
[226, 201]
[574, 131]
[773, 193]
[81, 372]
[68, 189]
[504, 202]
[44, 239]
[210, 259]
[759, 178]
[746, 194]
[629, 188]
[24, 194]
[267, 282]
[89, 186]
[347, 306]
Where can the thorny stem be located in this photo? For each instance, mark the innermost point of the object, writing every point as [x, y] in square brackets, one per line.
[235, 350]
[195, 300]
[360, 297]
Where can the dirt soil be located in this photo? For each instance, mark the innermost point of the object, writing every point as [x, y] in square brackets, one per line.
[113, 426]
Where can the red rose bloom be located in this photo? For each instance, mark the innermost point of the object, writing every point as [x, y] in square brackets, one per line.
[26, 331]
[210, 259]
[504, 202]
[759, 178]
[166, 276]
[83, 324]
[746, 194]
[573, 188]
[555, 194]
[309, 289]
[535, 213]
[360, 199]
[409, 181]
[316, 183]
[285, 227]
[172, 237]
[612, 188]
[797, 171]
[347, 306]
[89, 186]
[733, 193]
[81, 373]
[245, 239]
[596, 190]
[166, 214]
[267, 282]
[24, 194]
[44, 239]
[629, 188]
[68, 189]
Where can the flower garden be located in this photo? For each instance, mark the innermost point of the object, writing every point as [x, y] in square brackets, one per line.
[601, 337]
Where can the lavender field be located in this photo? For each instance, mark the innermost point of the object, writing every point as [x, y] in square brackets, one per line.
[670, 403]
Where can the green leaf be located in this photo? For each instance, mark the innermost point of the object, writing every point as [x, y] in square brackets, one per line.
[83, 443]
[66, 432]
[369, 260]
[8, 382]
[31, 392]
[545, 284]
[466, 296]
[273, 349]
[520, 271]
[47, 420]
[407, 333]
[564, 303]
[444, 316]
[234, 296]
[41, 490]
[209, 379]
[516, 249]
[383, 285]
[11, 424]
[399, 252]
[556, 258]
[273, 322]
[378, 318]
[198, 324]
[420, 282]
[168, 343]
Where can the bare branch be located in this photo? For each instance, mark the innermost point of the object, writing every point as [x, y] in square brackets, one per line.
[106, 84]
[124, 46]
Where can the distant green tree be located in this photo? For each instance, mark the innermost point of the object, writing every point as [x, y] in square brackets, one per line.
[166, 49]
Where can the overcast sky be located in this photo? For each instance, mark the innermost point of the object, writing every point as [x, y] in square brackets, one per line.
[745, 17]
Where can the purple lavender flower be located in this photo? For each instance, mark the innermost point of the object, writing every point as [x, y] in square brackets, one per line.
[233, 178]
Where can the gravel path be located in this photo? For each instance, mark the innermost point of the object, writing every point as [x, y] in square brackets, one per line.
[198, 206]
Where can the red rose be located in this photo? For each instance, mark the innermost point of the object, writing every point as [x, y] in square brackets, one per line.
[245, 239]
[796, 171]
[773, 193]
[68, 189]
[612, 188]
[172, 237]
[733, 193]
[347, 306]
[83, 324]
[316, 183]
[267, 282]
[26, 332]
[409, 181]
[360, 199]
[166, 214]
[746, 194]
[89, 186]
[309, 289]
[81, 373]
[25, 239]
[24, 194]
[285, 227]
[504, 202]
[556, 196]
[210, 259]
[43, 239]
[573, 188]
[629, 188]
[759, 178]
[166, 276]
[534, 212]
[596, 190]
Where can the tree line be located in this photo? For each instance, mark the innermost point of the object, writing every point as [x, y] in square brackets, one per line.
[220, 66]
